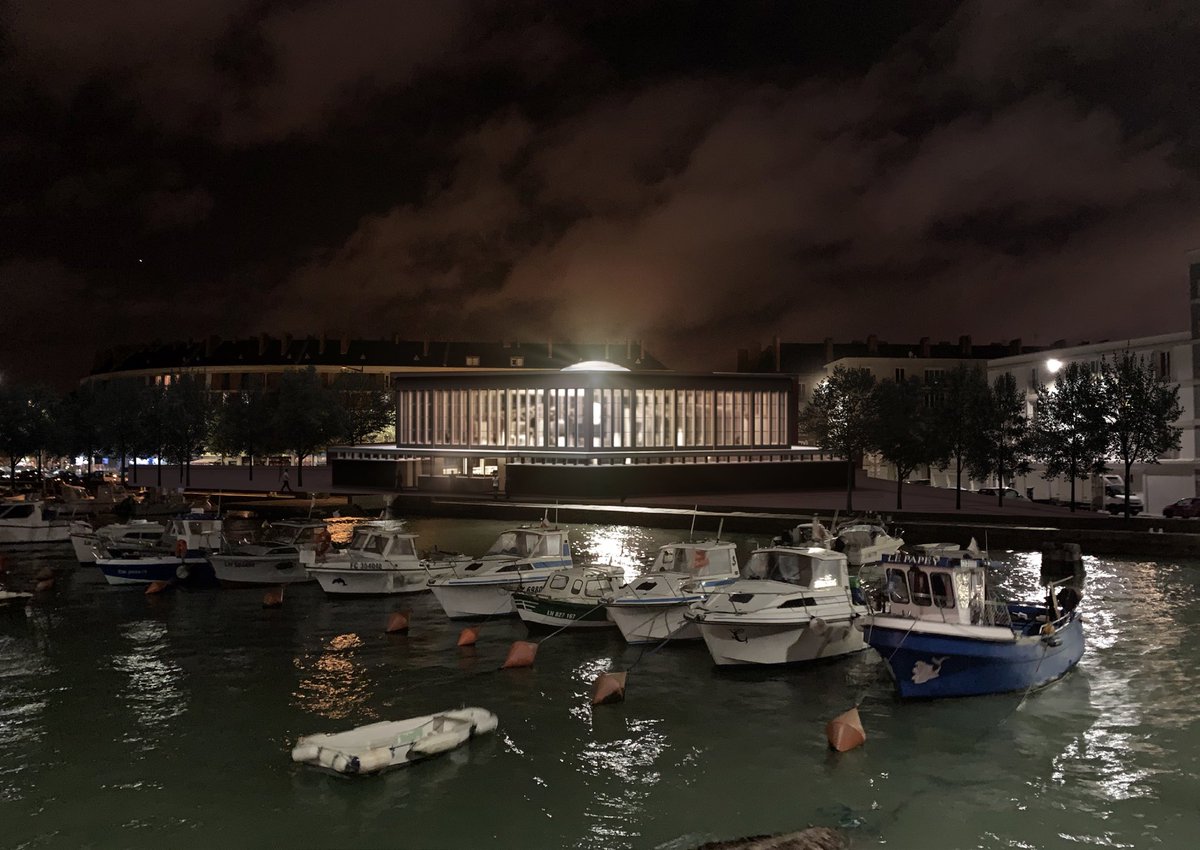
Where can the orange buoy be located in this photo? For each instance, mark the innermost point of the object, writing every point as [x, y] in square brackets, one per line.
[273, 598]
[845, 732]
[398, 622]
[608, 688]
[468, 636]
[157, 587]
[520, 654]
[44, 585]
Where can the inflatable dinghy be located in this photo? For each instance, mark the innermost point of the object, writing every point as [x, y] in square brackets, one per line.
[393, 743]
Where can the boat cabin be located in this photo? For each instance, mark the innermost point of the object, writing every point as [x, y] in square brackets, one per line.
[593, 582]
[814, 567]
[705, 558]
[292, 533]
[200, 531]
[531, 543]
[951, 590]
[372, 542]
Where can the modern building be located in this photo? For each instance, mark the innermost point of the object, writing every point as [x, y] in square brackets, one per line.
[588, 430]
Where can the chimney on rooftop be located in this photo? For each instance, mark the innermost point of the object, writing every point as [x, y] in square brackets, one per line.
[344, 347]
[872, 344]
[287, 345]
[964, 345]
[777, 357]
[425, 347]
[1059, 343]
[828, 349]
[926, 350]
[1014, 346]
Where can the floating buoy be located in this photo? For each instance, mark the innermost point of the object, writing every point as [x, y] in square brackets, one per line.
[520, 654]
[46, 584]
[818, 626]
[44, 574]
[468, 636]
[273, 598]
[398, 622]
[609, 688]
[157, 587]
[845, 732]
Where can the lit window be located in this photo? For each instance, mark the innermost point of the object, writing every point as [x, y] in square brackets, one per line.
[472, 359]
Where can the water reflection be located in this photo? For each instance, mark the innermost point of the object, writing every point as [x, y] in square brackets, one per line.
[623, 546]
[335, 685]
[154, 695]
[23, 702]
[614, 813]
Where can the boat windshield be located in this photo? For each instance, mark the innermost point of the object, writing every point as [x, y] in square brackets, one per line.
[365, 541]
[793, 568]
[518, 543]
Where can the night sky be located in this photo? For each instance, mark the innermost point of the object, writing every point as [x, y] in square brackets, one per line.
[703, 176]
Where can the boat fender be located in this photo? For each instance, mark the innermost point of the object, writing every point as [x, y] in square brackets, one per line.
[326, 757]
[1048, 629]
[439, 742]
[343, 763]
[306, 752]
[840, 633]
[373, 760]
[818, 626]
[182, 572]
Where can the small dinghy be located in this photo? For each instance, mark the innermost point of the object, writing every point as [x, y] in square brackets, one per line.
[393, 743]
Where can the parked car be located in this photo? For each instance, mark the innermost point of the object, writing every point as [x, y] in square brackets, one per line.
[1114, 501]
[1188, 508]
[1009, 492]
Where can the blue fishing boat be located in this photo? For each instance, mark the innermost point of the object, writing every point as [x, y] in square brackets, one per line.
[181, 556]
[944, 633]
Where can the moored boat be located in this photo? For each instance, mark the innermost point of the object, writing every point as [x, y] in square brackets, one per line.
[393, 743]
[520, 559]
[182, 557]
[793, 604]
[381, 560]
[123, 535]
[653, 606]
[25, 521]
[944, 632]
[573, 597]
[274, 558]
[865, 542]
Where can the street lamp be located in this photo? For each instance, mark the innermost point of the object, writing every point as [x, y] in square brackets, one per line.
[1053, 364]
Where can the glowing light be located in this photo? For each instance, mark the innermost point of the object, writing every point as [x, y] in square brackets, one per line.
[1054, 365]
[594, 366]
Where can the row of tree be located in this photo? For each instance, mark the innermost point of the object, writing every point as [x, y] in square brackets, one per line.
[1122, 412]
[180, 420]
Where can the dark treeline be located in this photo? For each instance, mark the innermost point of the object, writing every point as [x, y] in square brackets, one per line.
[180, 420]
[1119, 414]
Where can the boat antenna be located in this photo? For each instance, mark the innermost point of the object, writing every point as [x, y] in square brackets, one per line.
[692, 531]
[720, 526]
[556, 513]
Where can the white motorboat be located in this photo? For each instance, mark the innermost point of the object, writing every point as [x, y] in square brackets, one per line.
[520, 559]
[14, 599]
[794, 604]
[393, 743]
[31, 521]
[121, 535]
[653, 606]
[381, 560]
[275, 557]
[182, 555]
[865, 542]
[571, 597]
[947, 550]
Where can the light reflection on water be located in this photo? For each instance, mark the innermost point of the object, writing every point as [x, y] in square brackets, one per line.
[1106, 757]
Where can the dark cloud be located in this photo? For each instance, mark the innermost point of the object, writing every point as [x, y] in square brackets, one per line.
[702, 176]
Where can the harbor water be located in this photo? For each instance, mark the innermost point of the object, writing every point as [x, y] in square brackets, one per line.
[166, 721]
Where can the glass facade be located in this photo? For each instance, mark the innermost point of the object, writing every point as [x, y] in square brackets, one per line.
[590, 418]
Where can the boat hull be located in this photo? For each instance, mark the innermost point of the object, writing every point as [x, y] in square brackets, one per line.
[347, 581]
[733, 644]
[475, 601]
[930, 666]
[539, 613]
[18, 535]
[195, 569]
[250, 571]
[654, 622]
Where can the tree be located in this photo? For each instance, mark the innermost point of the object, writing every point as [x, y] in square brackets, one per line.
[80, 424]
[961, 399]
[187, 421]
[243, 424]
[1001, 445]
[1140, 410]
[152, 436]
[307, 416]
[1070, 435]
[120, 408]
[902, 429]
[16, 427]
[366, 408]
[839, 418]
